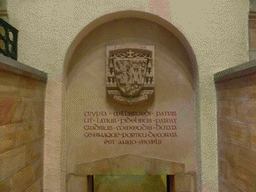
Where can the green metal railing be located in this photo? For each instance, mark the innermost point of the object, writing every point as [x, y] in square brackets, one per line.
[8, 40]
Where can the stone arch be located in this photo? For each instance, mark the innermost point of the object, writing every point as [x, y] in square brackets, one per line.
[130, 14]
[191, 70]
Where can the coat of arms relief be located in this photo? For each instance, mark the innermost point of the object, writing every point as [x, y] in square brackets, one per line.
[130, 73]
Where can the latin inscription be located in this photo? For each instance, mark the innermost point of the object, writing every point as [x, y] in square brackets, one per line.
[130, 127]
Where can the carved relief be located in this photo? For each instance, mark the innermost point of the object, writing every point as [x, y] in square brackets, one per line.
[130, 73]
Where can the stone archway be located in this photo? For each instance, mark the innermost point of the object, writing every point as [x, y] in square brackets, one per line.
[84, 89]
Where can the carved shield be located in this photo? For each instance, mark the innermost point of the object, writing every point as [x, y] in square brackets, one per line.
[130, 73]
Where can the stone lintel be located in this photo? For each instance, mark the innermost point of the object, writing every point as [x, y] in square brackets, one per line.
[130, 165]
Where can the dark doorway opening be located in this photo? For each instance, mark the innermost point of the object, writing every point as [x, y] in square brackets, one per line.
[104, 182]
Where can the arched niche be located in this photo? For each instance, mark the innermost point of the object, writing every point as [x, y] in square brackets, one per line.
[175, 91]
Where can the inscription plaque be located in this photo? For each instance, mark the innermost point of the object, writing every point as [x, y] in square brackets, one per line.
[130, 73]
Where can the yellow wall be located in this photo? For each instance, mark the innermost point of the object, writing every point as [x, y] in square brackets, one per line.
[216, 30]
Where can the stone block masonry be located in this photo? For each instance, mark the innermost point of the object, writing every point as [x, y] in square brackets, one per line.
[22, 93]
[236, 90]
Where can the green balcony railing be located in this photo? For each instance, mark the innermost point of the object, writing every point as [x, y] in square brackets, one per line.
[8, 40]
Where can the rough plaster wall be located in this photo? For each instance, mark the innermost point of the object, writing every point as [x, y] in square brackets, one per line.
[3, 8]
[252, 5]
[216, 30]
[3, 5]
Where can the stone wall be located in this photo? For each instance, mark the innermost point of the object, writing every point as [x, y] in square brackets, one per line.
[50, 30]
[21, 128]
[85, 92]
[252, 34]
[237, 130]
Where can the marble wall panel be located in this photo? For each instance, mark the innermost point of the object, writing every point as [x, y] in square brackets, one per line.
[23, 179]
[236, 125]
[21, 132]
[11, 162]
[37, 186]
[5, 185]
